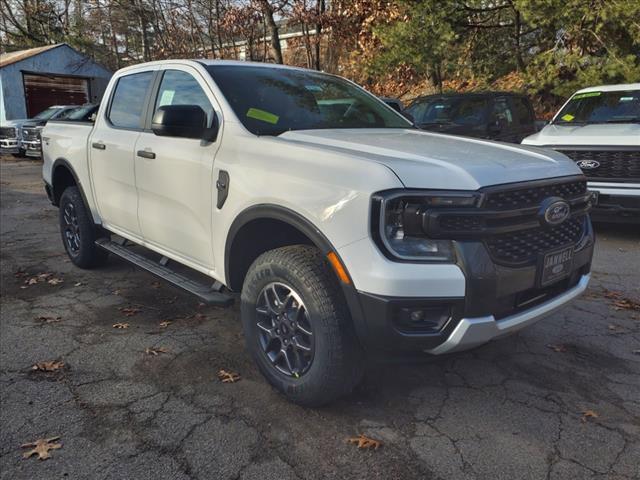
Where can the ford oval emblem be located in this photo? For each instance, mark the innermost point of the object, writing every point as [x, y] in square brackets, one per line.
[588, 164]
[557, 212]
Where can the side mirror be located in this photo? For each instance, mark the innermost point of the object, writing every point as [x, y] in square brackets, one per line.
[186, 121]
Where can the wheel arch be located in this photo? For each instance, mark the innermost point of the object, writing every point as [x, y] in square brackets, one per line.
[62, 176]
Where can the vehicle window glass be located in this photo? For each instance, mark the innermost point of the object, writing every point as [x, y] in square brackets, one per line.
[601, 107]
[180, 88]
[455, 110]
[270, 101]
[522, 111]
[127, 104]
[47, 114]
[502, 113]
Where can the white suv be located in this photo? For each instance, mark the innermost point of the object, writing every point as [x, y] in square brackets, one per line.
[599, 128]
[347, 231]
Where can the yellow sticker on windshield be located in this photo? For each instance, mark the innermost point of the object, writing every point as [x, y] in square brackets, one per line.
[567, 117]
[258, 114]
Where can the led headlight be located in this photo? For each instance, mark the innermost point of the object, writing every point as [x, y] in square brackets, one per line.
[401, 227]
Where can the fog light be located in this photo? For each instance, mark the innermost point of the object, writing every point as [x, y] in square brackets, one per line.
[426, 319]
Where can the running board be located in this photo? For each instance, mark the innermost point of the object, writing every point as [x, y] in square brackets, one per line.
[206, 293]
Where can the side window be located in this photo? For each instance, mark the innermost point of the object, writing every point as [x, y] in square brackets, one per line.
[418, 110]
[502, 113]
[522, 111]
[127, 103]
[180, 88]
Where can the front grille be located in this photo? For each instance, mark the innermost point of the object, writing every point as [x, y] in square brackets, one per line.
[523, 247]
[7, 132]
[29, 134]
[615, 165]
[511, 199]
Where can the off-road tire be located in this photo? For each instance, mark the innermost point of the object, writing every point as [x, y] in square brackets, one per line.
[337, 365]
[88, 255]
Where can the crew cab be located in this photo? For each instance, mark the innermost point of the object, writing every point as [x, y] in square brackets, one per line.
[344, 231]
[599, 129]
[502, 116]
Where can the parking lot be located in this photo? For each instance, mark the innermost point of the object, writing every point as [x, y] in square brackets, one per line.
[561, 400]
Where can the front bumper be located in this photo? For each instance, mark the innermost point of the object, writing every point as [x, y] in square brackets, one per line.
[32, 148]
[617, 202]
[494, 300]
[9, 145]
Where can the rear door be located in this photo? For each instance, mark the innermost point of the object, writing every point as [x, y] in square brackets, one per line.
[175, 175]
[502, 126]
[111, 152]
[523, 116]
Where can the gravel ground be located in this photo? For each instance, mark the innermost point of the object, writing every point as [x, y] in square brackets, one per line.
[513, 409]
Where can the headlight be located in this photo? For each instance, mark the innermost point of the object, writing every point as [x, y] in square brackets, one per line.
[400, 226]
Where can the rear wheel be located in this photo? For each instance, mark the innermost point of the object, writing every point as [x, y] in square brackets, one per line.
[297, 326]
[79, 233]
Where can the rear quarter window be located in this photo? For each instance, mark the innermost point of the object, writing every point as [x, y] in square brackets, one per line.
[128, 100]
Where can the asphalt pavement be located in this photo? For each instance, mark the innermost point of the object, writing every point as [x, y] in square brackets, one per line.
[560, 400]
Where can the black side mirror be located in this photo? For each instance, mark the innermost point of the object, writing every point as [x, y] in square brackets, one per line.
[186, 121]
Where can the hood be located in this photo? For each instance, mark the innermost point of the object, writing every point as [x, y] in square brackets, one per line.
[597, 134]
[14, 123]
[455, 129]
[34, 123]
[430, 160]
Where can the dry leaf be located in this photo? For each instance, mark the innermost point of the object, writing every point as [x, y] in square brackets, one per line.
[41, 447]
[121, 326]
[55, 281]
[129, 311]
[365, 442]
[586, 414]
[155, 350]
[228, 377]
[560, 348]
[51, 366]
[78, 284]
[155, 285]
[44, 319]
[165, 324]
[626, 304]
[117, 292]
[200, 316]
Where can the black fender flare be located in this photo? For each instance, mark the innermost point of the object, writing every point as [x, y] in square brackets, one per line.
[62, 162]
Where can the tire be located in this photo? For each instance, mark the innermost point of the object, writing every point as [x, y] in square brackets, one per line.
[334, 365]
[78, 231]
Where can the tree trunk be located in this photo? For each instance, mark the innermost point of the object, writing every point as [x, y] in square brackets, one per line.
[320, 11]
[273, 30]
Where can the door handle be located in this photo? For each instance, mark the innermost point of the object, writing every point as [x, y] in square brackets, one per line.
[146, 154]
[99, 146]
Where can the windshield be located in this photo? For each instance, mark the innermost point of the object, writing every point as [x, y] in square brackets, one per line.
[601, 107]
[458, 111]
[47, 114]
[270, 101]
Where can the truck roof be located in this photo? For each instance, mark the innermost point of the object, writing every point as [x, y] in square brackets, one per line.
[611, 88]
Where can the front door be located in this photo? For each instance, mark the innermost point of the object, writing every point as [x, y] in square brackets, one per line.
[502, 123]
[175, 175]
[111, 153]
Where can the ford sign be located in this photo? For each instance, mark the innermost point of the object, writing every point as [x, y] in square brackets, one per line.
[588, 164]
[557, 212]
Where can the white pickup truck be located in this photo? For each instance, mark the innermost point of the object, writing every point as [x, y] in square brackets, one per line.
[599, 128]
[347, 231]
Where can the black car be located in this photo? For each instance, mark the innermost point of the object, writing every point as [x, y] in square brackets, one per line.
[503, 116]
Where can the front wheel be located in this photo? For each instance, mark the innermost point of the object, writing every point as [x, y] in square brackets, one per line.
[79, 233]
[297, 326]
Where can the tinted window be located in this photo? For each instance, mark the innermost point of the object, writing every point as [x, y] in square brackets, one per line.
[502, 112]
[180, 88]
[522, 111]
[449, 110]
[47, 114]
[270, 101]
[127, 104]
[602, 107]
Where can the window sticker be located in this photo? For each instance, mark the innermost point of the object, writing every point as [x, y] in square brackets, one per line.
[586, 95]
[166, 98]
[568, 117]
[258, 114]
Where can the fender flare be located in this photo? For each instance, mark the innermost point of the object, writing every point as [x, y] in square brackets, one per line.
[62, 162]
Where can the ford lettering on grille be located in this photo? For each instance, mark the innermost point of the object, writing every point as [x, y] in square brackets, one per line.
[588, 164]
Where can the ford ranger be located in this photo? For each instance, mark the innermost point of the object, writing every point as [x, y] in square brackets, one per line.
[599, 129]
[346, 231]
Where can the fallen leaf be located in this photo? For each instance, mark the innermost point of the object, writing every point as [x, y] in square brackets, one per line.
[626, 304]
[155, 350]
[117, 292]
[121, 326]
[55, 281]
[51, 366]
[365, 442]
[20, 273]
[129, 311]
[41, 447]
[228, 377]
[200, 316]
[44, 319]
[78, 284]
[165, 324]
[155, 285]
[560, 348]
[613, 327]
[586, 414]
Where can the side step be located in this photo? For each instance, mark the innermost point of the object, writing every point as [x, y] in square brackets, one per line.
[206, 293]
